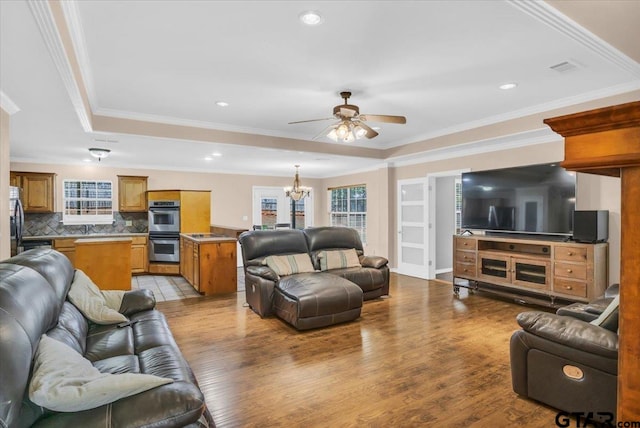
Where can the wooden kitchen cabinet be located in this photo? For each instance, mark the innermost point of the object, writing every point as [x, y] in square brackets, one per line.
[132, 193]
[209, 264]
[139, 254]
[186, 260]
[67, 247]
[107, 261]
[195, 208]
[37, 190]
[139, 251]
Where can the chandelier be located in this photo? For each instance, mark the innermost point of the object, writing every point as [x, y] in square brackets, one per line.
[297, 192]
[347, 132]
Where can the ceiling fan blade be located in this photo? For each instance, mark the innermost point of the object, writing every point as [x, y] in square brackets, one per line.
[370, 132]
[312, 120]
[325, 131]
[383, 118]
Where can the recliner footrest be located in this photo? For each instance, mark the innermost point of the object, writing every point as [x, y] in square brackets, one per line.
[313, 300]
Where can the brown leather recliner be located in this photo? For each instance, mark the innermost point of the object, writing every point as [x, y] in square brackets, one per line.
[567, 362]
[339, 291]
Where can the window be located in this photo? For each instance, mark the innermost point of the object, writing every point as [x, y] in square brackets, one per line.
[458, 207]
[348, 207]
[87, 202]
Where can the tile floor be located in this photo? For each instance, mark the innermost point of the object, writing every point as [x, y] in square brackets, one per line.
[172, 287]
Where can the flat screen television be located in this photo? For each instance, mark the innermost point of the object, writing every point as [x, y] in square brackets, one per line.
[535, 199]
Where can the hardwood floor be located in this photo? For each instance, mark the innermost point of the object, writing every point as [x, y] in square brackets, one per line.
[419, 358]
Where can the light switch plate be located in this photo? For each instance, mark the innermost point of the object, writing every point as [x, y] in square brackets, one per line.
[128, 223]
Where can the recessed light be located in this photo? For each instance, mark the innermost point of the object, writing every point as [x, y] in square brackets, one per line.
[222, 103]
[311, 17]
[208, 158]
[216, 154]
[506, 86]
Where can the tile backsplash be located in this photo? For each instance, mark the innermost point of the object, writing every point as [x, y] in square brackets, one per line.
[51, 224]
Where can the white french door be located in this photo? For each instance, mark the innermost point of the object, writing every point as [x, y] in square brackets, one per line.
[271, 206]
[413, 233]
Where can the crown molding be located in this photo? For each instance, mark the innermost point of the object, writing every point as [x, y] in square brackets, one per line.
[528, 111]
[506, 142]
[71, 13]
[562, 23]
[45, 21]
[7, 104]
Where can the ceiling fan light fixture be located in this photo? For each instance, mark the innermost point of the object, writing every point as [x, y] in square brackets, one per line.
[311, 18]
[343, 130]
[99, 153]
[359, 131]
[333, 135]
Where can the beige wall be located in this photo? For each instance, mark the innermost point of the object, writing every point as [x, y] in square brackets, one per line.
[377, 182]
[593, 192]
[5, 247]
[231, 195]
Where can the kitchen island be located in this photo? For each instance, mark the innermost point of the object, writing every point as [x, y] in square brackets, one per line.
[107, 261]
[208, 262]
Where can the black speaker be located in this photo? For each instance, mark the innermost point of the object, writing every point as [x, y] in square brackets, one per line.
[591, 226]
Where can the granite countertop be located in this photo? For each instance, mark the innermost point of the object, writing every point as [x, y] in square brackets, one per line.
[82, 235]
[207, 237]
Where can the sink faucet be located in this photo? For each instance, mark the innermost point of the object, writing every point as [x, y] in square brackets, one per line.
[86, 228]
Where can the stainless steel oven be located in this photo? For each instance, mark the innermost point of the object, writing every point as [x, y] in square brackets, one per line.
[164, 216]
[164, 247]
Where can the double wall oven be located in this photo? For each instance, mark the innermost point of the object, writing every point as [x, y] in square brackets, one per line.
[164, 231]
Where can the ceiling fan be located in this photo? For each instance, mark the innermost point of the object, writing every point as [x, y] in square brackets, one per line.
[351, 124]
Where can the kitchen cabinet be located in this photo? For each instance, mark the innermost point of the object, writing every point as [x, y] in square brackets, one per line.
[195, 208]
[67, 247]
[209, 263]
[107, 261]
[37, 190]
[139, 251]
[139, 254]
[132, 193]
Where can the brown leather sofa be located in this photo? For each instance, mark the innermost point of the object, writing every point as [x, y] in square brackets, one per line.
[565, 361]
[33, 291]
[339, 291]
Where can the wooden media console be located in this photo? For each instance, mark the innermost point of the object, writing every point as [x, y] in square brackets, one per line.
[531, 270]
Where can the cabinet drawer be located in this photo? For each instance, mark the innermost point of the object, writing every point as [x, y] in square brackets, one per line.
[570, 270]
[138, 240]
[465, 243]
[571, 254]
[466, 257]
[64, 243]
[572, 288]
[465, 270]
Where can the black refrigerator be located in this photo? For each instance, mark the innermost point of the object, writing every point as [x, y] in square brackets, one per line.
[17, 219]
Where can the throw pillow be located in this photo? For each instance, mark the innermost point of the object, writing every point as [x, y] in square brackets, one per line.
[338, 259]
[65, 381]
[609, 317]
[89, 300]
[290, 264]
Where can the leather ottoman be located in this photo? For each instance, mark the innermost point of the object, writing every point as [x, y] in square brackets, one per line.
[312, 300]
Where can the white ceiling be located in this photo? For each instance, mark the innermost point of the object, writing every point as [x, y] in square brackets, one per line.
[439, 63]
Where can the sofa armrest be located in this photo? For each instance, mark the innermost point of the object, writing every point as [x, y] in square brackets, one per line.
[174, 404]
[137, 301]
[571, 332]
[263, 272]
[373, 261]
